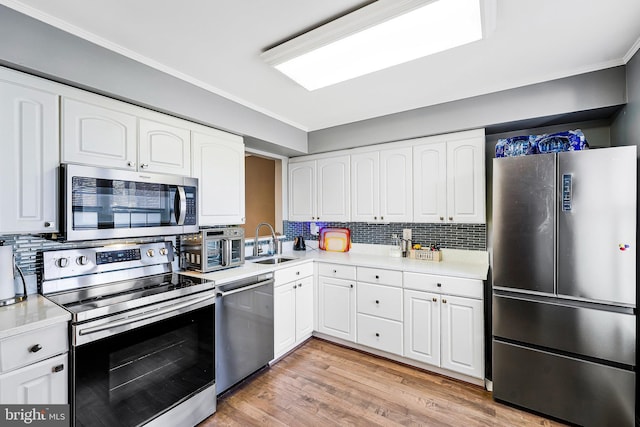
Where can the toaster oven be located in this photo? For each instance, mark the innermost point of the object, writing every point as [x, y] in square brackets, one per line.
[213, 249]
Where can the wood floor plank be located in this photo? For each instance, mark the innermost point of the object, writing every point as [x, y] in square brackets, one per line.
[324, 384]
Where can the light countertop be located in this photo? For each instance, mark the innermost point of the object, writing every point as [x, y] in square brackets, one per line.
[34, 313]
[456, 263]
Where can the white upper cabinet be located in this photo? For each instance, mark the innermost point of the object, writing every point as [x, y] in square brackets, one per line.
[466, 181]
[100, 135]
[333, 197]
[302, 191]
[365, 186]
[218, 163]
[29, 144]
[430, 182]
[100, 131]
[449, 178]
[381, 186]
[319, 190]
[164, 146]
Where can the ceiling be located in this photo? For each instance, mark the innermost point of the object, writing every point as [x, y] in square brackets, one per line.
[217, 45]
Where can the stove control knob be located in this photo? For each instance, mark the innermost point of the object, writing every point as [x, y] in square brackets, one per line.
[82, 260]
[163, 251]
[150, 252]
[62, 262]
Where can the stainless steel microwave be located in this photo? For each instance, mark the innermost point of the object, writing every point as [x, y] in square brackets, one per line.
[213, 249]
[100, 203]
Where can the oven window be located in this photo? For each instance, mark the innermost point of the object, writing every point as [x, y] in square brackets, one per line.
[132, 377]
[214, 253]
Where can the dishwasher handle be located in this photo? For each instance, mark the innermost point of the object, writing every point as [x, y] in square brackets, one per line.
[244, 288]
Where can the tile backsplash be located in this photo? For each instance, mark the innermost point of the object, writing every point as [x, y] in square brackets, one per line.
[452, 236]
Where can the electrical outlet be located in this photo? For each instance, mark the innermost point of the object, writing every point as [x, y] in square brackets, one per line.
[313, 228]
[406, 233]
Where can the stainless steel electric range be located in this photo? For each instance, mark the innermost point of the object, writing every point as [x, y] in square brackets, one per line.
[142, 337]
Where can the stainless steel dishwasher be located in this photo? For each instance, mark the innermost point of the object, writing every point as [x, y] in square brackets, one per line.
[244, 329]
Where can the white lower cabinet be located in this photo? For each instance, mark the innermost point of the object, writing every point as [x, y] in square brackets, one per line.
[293, 308]
[442, 329]
[34, 366]
[337, 301]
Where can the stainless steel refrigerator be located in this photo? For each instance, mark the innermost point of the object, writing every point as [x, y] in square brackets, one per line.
[564, 284]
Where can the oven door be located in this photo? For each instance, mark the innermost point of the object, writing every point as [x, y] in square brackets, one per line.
[235, 251]
[130, 378]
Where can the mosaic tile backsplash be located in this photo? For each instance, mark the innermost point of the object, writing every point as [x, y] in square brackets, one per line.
[452, 236]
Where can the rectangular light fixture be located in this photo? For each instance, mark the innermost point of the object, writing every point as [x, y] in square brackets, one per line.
[377, 36]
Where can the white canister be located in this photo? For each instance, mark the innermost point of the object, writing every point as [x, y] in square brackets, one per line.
[7, 289]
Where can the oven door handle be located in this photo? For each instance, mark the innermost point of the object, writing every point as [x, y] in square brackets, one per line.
[244, 288]
[144, 316]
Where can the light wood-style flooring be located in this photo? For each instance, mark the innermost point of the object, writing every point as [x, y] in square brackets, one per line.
[323, 384]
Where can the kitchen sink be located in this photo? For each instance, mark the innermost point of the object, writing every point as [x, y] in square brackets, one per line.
[275, 260]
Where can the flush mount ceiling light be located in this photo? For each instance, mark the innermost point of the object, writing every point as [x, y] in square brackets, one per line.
[380, 35]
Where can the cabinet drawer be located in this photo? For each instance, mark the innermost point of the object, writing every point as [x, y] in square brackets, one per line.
[380, 277]
[30, 347]
[289, 274]
[337, 271]
[378, 300]
[380, 333]
[471, 288]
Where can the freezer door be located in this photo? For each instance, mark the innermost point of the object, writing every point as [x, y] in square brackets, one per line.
[524, 191]
[597, 225]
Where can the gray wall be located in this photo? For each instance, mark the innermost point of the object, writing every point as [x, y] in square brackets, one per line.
[596, 90]
[29, 45]
[625, 129]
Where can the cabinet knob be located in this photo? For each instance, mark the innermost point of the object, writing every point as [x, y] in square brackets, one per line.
[317, 217]
[441, 218]
[57, 368]
[351, 285]
[377, 277]
[377, 334]
[444, 301]
[377, 301]
[48, 224]
[299, 285]
[381, 217]
[439, 285]
[36, 348]
[144, 165]
[294, 286]
[131, 164]
[297, 273]
[375, 217]
[335, 271]
[450, 218]
[435, 299]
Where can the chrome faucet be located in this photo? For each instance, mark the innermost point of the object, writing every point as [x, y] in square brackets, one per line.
[256, 248]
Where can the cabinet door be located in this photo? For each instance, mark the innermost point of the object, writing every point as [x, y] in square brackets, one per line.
[302, 191]
[29, 145]
[365, 187]
[466, 181]
[462, 336]
[337, 308]
[304, 309]
[99, 135]
[41, 383]
[218, 163]
[422, 326]
[164, 147]
[396, 185]
[334, 190]
[284, 320]
[430, 182]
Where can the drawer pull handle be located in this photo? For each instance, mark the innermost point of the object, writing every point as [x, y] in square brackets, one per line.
[36, 348]
[57, 368]
[439, 285]
[377, 302]
[435, 299]
[377, 335]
